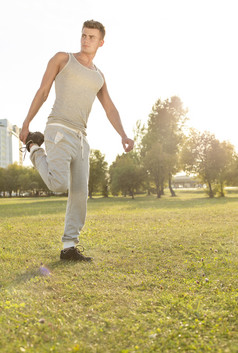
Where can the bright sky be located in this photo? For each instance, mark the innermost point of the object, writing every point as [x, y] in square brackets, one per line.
[153, 49]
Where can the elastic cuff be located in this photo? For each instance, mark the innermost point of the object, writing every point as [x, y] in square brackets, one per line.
[34, 148]
[68, 244]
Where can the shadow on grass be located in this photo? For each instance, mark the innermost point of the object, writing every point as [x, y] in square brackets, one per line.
[147, 202]
[174, 203]
[185, 199]
[38, 273]
[32, 208]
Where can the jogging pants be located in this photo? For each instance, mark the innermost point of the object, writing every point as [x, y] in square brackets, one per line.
[64, 165]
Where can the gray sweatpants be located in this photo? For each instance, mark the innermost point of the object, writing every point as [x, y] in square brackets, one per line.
[65, 166]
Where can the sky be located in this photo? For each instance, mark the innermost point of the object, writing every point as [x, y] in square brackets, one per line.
[153, 49]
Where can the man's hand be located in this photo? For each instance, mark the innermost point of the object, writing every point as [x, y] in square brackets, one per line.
[24, 133]
[127, 143]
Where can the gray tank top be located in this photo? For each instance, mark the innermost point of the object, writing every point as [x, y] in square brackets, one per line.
[76, 87]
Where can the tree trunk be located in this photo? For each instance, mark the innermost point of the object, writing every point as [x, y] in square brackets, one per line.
[162, 190]
[158, 192]
[170, 186]
[162, 187]
[211, 195]
[222, 190]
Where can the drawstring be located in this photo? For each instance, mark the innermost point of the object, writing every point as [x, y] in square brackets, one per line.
[81, 144]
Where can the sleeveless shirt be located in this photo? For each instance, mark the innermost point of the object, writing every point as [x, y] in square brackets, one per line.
[76, 87]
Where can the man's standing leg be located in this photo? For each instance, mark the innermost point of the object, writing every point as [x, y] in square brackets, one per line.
[77, 202]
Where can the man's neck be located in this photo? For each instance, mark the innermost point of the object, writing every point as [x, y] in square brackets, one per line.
[85, 59]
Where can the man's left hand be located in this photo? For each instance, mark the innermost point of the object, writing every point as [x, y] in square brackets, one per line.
[127, 143]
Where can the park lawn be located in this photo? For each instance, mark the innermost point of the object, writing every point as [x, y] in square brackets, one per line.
[164, 276]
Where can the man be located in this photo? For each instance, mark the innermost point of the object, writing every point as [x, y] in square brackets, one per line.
[65, 164]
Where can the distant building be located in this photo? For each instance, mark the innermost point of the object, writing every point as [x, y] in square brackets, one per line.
[9, 144]
[184, 181]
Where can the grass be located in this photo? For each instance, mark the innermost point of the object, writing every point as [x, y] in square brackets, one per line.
[164, 276]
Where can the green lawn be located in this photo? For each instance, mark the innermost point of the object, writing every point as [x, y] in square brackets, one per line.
[164, 276]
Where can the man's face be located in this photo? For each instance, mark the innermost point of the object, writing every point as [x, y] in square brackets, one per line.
[91, 40]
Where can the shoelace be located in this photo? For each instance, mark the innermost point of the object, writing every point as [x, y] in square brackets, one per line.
[24, 149]
[77, 248]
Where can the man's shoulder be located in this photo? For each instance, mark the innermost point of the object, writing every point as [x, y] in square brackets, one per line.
[100, 72]
[62, 54]
[60, 57]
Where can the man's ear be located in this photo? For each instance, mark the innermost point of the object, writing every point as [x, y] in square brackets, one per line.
[102, 42]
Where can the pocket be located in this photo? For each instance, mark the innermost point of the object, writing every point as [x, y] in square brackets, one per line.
[52, 137]
[53, 134]
[58, 137]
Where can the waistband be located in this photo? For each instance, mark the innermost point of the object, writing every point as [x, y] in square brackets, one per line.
[66, 127]
[79, 132]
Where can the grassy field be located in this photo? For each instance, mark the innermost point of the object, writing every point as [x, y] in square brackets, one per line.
[164, 276]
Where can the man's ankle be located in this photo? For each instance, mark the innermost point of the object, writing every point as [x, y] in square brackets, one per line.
[68, 244]
[33, 147]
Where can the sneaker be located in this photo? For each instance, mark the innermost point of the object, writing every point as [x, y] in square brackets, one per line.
[74, 254]
[34, 137]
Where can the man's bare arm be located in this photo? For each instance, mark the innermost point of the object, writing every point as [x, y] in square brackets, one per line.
[53, 68]
[114, 117]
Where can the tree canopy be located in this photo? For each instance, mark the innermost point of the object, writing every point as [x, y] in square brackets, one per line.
[162, 141]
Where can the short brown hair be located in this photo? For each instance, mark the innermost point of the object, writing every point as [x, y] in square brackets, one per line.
[96, 25]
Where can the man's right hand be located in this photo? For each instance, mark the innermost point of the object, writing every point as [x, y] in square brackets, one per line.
[24, 133]
[128, 144]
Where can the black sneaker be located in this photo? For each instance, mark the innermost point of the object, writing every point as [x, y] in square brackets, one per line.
[74, 254]
[34, 137]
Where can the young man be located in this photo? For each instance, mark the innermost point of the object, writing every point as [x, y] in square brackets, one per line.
[65, 164]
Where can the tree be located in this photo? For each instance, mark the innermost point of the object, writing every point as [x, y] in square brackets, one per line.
[210, 159]
[225, 161]
[37, 184]
[126, 174]
[155, 163]
[12, 182]
[98, 172]
[163, 140]
[24, 180]
[3, 181]
[233, 175]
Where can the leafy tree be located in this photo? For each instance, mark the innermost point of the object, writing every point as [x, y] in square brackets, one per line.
[37, 184]
[98, 173]
[24, 180]
[210, 159]
[13, 172]
[233, 175]
[198, 157]
[230, 174]
[21, 179]
[139, 133]
[162, 141]
[2, 181]
[155, 163]
[225, 161]
[126, 174]
[105, 186]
